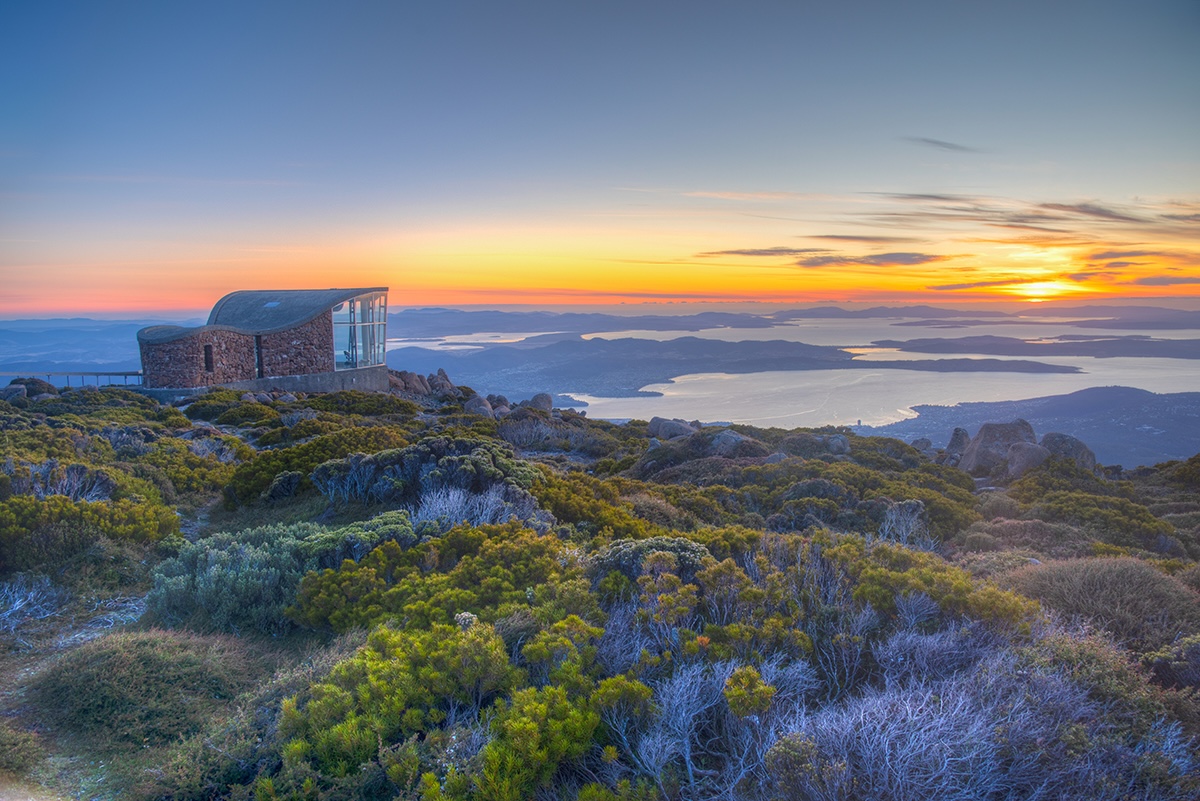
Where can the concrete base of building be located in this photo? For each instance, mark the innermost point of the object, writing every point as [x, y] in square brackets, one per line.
[366, 379]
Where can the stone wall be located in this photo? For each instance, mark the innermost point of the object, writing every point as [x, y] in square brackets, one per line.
[181, 363]
[302, 350]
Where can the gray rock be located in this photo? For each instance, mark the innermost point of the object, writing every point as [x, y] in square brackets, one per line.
[922, 444]
[989, 448]
[408, 383]
[248, 397]
[13, 391]
[726, 442]
[1023, 457]
[959, 441]
[500, 412]
[41, 396]
[837, 444]
[775, 458]
[479, 405]
[1065, 446]
[263, 397]
[542, 401]
[287, 397]
[440, 384]
[663, 428]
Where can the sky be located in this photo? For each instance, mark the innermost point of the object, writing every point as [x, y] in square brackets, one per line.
[157, 155]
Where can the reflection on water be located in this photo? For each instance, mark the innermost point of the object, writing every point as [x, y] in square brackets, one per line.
[877, 397]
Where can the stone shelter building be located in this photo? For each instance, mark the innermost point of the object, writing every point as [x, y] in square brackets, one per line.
[300, 340]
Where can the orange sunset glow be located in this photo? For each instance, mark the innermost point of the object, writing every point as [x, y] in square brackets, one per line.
[555, 157]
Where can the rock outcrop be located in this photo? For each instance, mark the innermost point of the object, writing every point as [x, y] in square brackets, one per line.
[988, 450]
[477, 404]
[1065, 446]
[541, 401]
[1023, 457]
[663, 428]
[13, 391]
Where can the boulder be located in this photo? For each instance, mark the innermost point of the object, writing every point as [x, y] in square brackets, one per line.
[542, 401]
[959, 441]
[408, 383]
[479, 405]
[663, 428]
[248, 397]
[287, 397]
[263, 397]
[1023, 457]
[13, 391]
[837, 444]
[1065, 446]
[775, 458]
[922, 444]
[440, 384]
[988, 450]
[727, 442]
[500, 412]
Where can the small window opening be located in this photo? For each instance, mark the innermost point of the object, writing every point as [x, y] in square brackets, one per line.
[208, 359]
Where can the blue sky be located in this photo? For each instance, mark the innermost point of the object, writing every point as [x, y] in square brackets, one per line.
[153, 149]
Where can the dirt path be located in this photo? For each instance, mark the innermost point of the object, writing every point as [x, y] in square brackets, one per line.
[14, 790]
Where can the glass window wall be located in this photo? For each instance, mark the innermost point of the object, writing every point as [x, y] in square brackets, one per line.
[360, 331]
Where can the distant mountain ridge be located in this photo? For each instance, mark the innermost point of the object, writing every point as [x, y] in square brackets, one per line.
[1123, 425]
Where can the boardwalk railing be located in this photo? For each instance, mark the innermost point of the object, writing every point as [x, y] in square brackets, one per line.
[83, 377]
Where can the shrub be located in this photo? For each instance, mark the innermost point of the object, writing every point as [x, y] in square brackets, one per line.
[251, 478]
[1139, 606]
[398, 684]
[19, 750]
[489, 571]
[245, 581]
[1114, 520]
[35, 533]
[627, 556]
[140, 688]
[990, 732]
[1058, 540]
[403, 475]
[372, 404]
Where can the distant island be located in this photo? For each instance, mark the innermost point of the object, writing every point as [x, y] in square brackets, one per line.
[1124, 426]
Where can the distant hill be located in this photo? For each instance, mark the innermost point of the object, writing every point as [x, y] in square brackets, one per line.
[1124, 426]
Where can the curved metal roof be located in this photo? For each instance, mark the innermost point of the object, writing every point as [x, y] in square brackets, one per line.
[264, 311]
[261, 311]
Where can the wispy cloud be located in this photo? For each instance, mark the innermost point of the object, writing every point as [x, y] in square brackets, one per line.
[1090, 210]
[940, 144]
[778, 251]
[982, 284]
[1166, 280]
[878, 260]
[878, 240]
[743, 196]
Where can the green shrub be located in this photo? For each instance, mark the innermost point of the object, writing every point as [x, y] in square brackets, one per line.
[1113, 520]
[213, 404]
[36, 532]
[242, 582]
[399, 683]
[1139, 606]
[19, 750]
[489, 571]
[248, 414]
[251, 478]
[140, 688]
[371, 404]
[403, 475]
